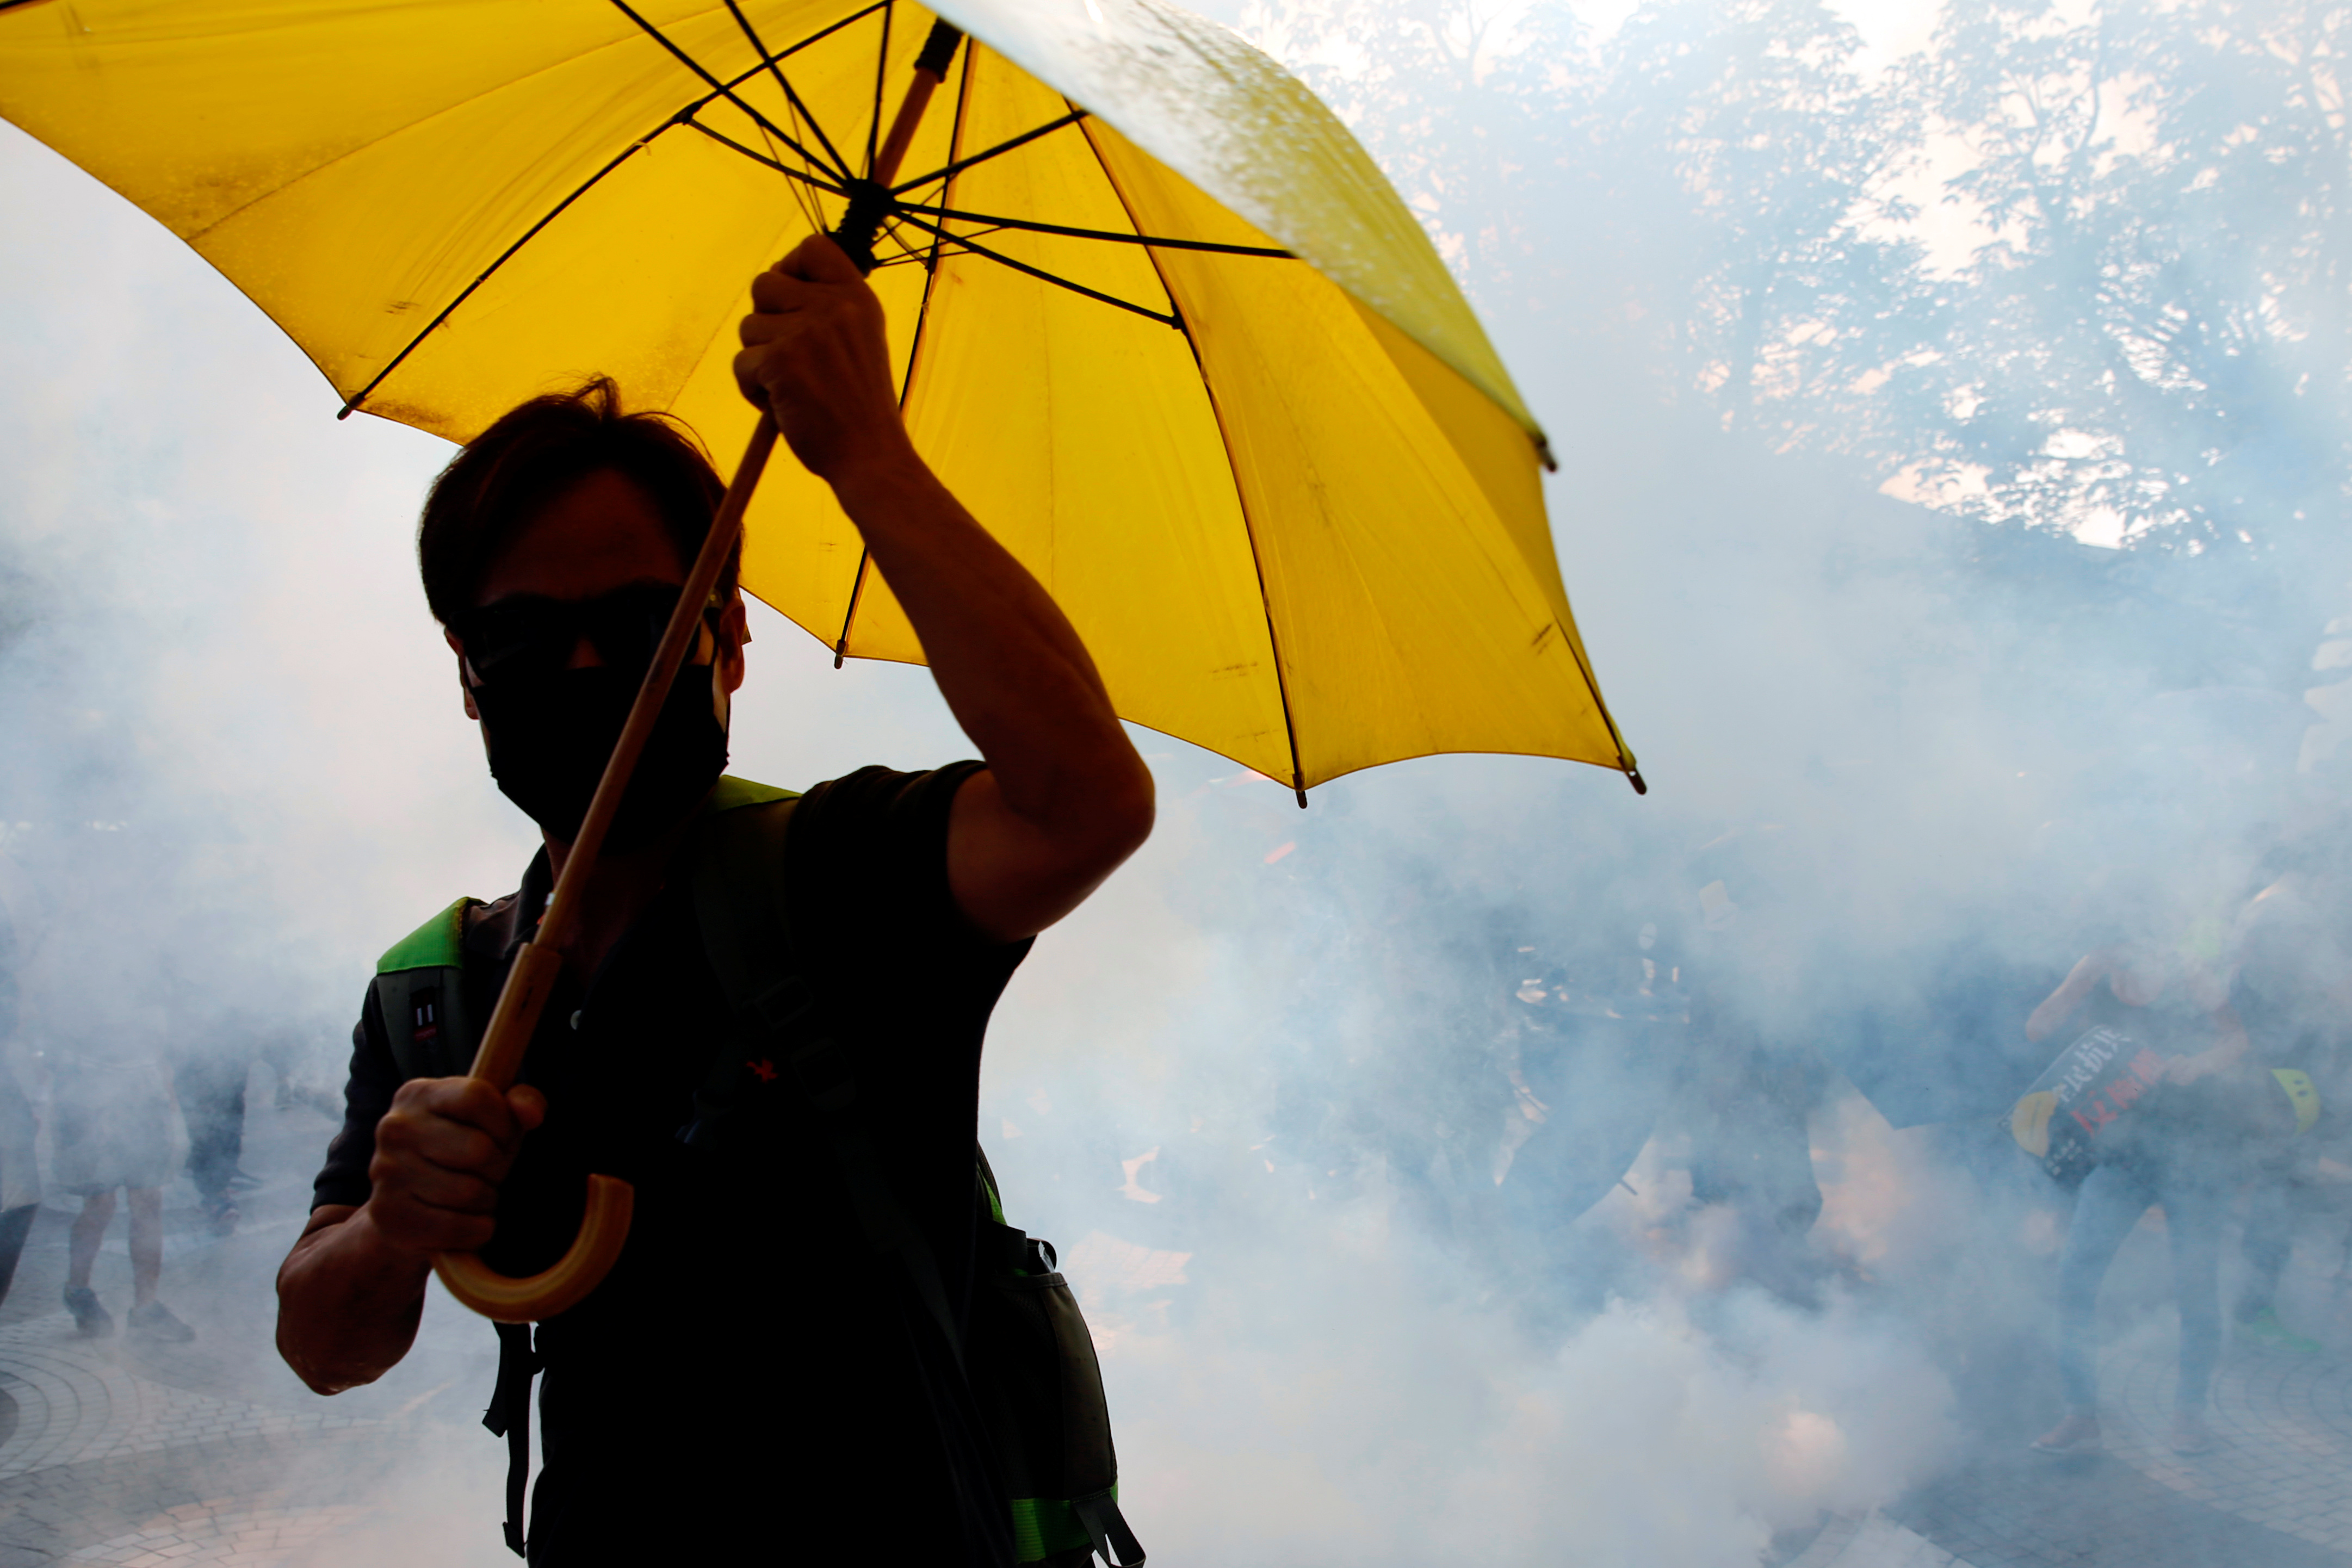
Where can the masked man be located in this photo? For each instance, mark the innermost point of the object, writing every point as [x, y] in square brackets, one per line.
[744, 1382]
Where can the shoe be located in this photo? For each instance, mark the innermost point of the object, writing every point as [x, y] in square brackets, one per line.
[2077, 1434]
[244, 1178]
[221, 1216]
[2264, 1332]
[2189, 1436]
[92, 1320]
[154, 1320]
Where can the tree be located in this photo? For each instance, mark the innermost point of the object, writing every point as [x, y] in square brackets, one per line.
[2154, 331]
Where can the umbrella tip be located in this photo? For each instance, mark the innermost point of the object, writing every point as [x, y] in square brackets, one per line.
[1543, 454]
[1301, 793]
[1633, 777]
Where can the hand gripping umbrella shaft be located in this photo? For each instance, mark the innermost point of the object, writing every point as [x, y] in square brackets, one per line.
[605, 1226]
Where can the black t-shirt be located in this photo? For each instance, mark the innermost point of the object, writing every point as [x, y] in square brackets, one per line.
[751, 1376]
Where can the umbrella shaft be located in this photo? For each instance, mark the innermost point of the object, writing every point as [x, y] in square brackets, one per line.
[516, 1017]
[871, 200]
[930, 74]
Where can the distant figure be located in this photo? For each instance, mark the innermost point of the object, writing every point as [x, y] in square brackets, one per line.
[117, 1128]
[2178, 1009]
[210, 1077]
[20, 1173]
[1752, 1079]
[2293, 989]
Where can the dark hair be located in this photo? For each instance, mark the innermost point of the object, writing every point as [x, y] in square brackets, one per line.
[534, 454]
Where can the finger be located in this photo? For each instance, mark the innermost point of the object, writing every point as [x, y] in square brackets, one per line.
[754, 330]
[435, 1188]
[530, 1106]
[777, 292]
[411, 1142]
[747, 376]
[819, 260]
[471, 1101]
[408, 1223]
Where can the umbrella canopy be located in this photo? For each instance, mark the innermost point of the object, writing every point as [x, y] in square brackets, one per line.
[1159, 321]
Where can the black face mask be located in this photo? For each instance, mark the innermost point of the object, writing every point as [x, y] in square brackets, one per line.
[551, 732]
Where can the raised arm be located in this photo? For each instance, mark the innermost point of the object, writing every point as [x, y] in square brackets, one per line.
[1065, 798]
[2072, 993]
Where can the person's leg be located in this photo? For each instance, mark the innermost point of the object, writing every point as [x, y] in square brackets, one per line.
[2108, 1206]
[209, 1163]
[146, 1242]
[2269, 1241]
[2196, 1208]
[16, 1224]
[149, 1317]
[88, 1230]
[91, 1319]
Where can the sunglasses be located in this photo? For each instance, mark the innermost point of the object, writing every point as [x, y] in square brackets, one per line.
[528, 634]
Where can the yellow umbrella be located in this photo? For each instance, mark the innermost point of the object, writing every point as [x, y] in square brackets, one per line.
[1160, 324]
[1267, 462]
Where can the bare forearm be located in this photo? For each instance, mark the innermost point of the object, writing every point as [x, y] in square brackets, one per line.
[347, 1302]
[1008, 662]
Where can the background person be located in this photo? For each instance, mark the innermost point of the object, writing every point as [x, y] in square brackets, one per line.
[2293, 990]
[2167, 1158]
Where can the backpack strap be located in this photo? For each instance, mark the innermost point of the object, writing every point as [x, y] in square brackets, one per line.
[738, 893]
[420, 991]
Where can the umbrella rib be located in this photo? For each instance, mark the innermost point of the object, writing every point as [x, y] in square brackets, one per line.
[1108, 236]
[881, 64]
[914, 354]
[724, 90]
[683, 117]
[961, 164]
[1241, 500]
[839, 168]
[508, 254]
[1043, 277]
[780, 167]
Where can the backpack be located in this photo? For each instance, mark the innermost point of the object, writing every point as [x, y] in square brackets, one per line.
[1027, 1360]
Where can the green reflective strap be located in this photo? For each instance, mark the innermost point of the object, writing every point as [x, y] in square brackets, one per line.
[730, 792]
[995, 1204]
[438, 943]
[1043, 1526]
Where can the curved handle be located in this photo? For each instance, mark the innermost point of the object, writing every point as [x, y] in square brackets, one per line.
[603, 1230]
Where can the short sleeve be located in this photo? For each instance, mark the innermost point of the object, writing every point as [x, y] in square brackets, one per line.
[868, 851]
[374, 1080]
[876, 924]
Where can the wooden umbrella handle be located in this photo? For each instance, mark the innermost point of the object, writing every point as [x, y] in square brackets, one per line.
[605, 1226]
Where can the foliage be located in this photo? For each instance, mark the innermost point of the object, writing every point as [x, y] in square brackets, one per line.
[2148, 336]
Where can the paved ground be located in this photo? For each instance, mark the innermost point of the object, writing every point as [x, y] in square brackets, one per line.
[2275, 1491]
[122, 1451]
[128, 1453]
